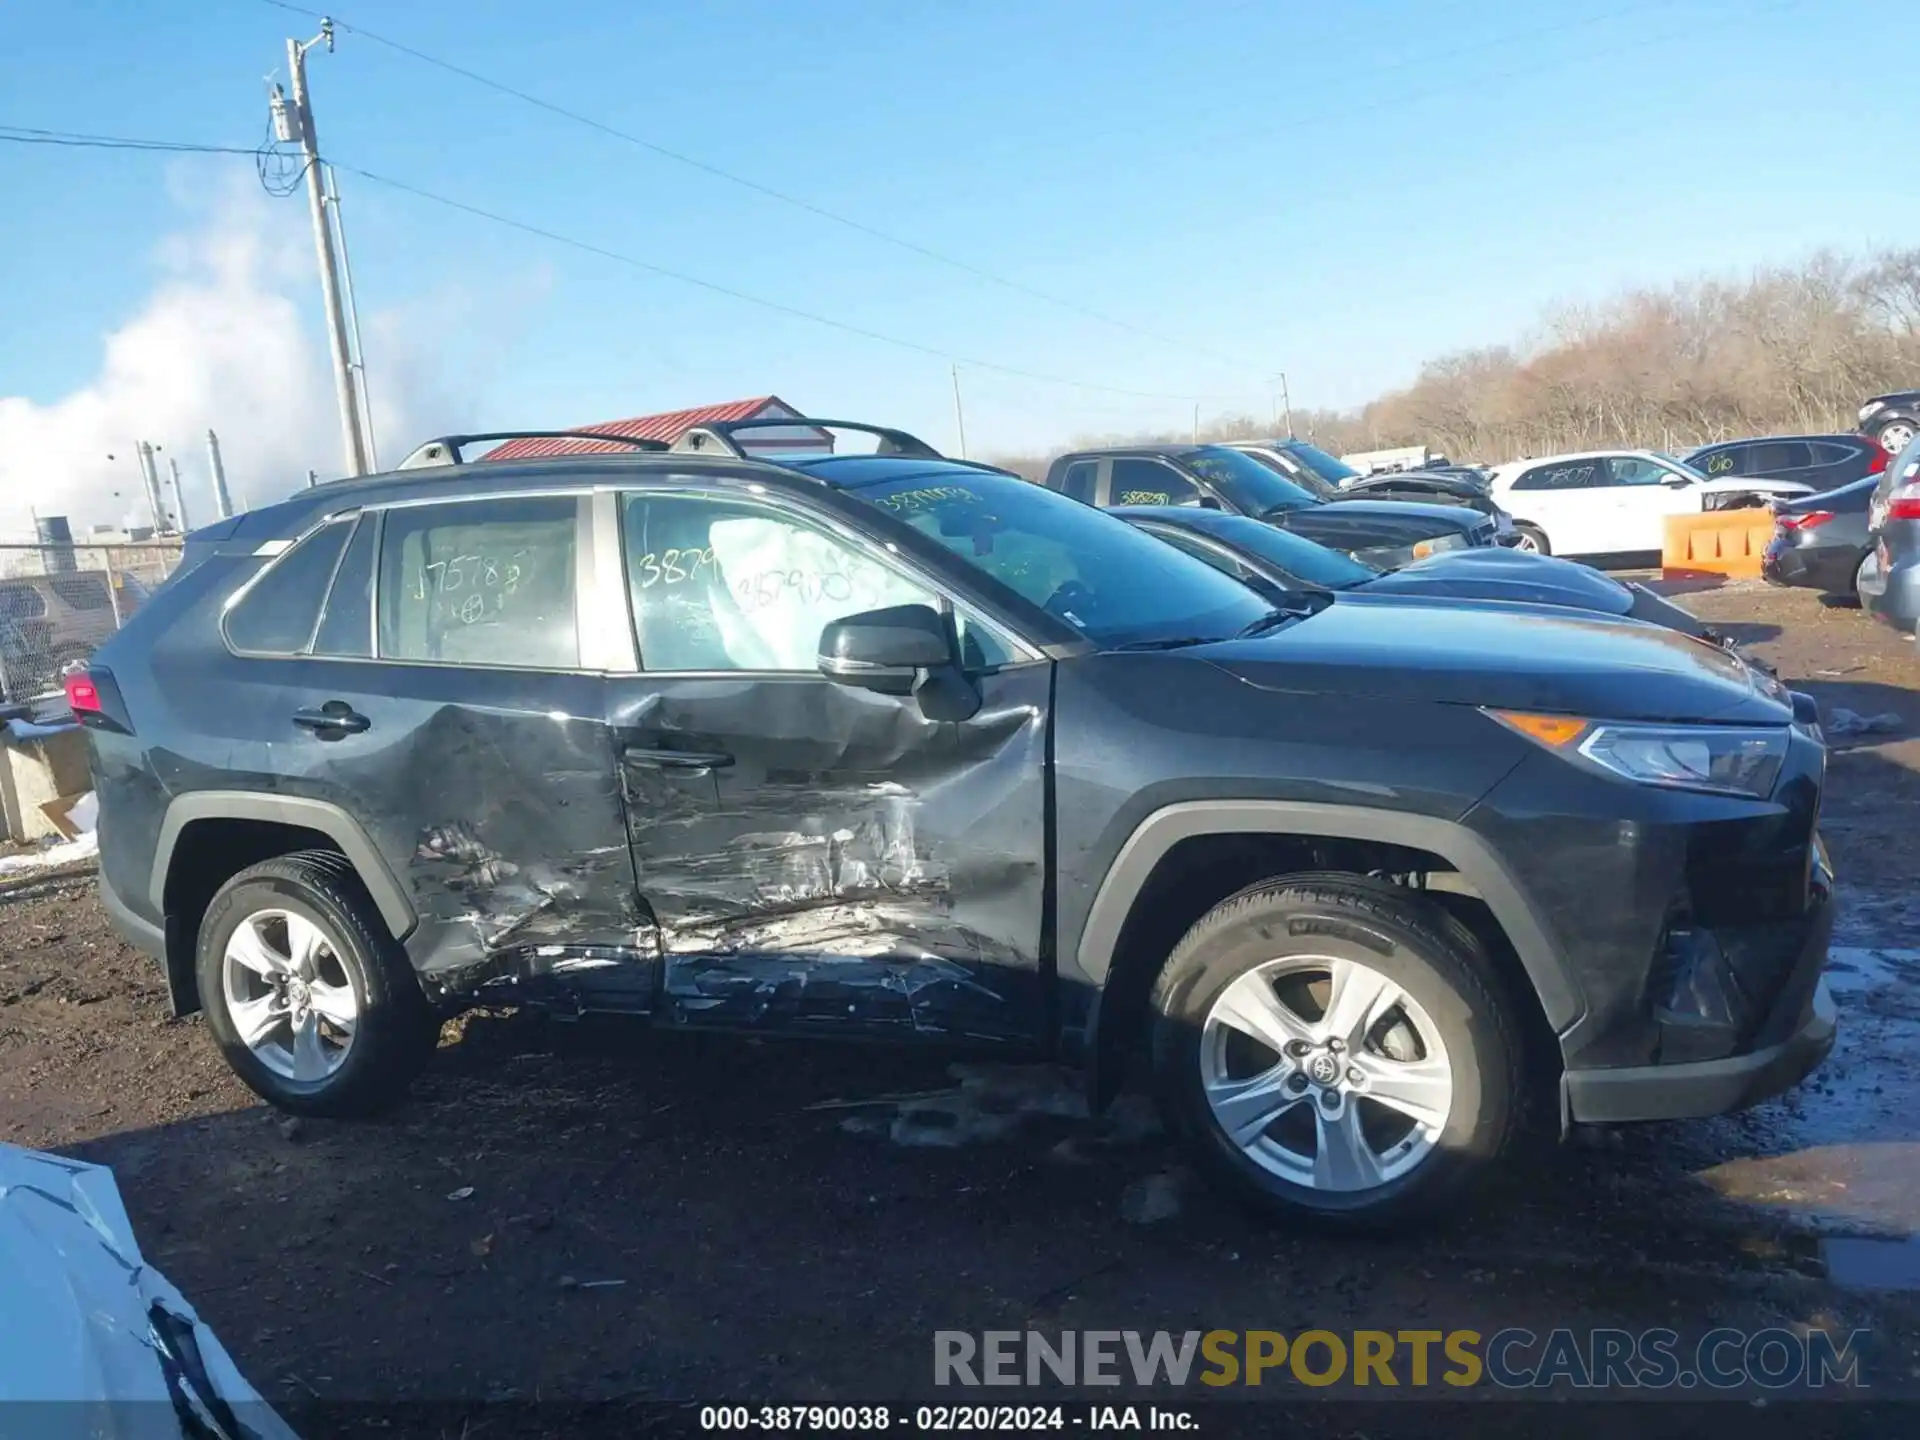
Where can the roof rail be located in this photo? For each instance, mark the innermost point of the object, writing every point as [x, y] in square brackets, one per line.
[719, 435]
[445, 449]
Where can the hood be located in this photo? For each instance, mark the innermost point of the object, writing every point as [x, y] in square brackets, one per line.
[1492, 573]
[1507, 656]
[1368, 524]
[87, 1324]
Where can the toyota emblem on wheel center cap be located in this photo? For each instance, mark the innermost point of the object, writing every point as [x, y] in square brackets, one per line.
[1323, 1069]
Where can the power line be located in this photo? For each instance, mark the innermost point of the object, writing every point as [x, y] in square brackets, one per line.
[758, 188]
[22, 135]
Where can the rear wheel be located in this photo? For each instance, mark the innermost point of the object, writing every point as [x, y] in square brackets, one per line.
[1532, 539]
[311, 1000]
[1336, 1050]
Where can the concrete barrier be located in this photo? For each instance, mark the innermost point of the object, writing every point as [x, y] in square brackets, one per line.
[1720, 542]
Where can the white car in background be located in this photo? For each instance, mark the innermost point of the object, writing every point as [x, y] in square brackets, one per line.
[1615, 502]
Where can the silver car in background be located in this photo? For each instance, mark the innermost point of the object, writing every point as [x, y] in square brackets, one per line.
[1889, 582]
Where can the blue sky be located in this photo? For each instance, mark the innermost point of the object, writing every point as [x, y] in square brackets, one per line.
[1336, 191]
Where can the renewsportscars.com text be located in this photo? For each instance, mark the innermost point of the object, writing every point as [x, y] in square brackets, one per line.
[1513, 1359]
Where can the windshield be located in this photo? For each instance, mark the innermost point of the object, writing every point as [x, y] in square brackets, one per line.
[1301, 475]
[1327, 467]
[1098, 574]
[1247, 485]
[1293, 555]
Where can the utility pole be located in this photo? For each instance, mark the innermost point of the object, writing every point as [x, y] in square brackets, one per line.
[1286, 402]
[1196, 422]
[358, 351]
[222, 501]
[294, 121]
[179, 500]
[959, 415]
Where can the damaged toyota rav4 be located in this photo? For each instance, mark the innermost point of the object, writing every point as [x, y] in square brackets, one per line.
[892, 745]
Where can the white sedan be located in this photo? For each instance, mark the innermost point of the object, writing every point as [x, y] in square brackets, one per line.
[1614, 502]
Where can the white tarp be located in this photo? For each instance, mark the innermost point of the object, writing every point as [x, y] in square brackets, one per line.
[109, 1349]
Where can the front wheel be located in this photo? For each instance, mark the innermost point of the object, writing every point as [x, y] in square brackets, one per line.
[311, 1000]
[1337, 1050]
[1532, 539]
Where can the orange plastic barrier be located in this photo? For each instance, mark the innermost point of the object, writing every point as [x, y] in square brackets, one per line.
[1721, 542]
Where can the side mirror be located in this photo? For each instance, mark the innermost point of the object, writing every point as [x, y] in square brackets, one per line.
[901, 650]
[1677, 482]
[1208, 502]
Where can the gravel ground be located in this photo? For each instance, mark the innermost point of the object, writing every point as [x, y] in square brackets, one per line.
[598, 1213]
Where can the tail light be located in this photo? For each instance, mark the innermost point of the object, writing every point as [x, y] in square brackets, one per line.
[1877, 460]
[1904, 503]
[83, 696]
[1810, 520]
[94, 698]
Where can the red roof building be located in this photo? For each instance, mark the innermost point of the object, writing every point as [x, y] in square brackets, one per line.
[675, 423]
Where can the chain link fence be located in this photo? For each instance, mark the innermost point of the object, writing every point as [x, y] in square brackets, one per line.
[58, 602]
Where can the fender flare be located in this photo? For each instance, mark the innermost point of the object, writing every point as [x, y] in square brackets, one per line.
[1471, 856]
[307, 814]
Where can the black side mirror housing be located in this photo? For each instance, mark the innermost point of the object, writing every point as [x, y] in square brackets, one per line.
[900, 650]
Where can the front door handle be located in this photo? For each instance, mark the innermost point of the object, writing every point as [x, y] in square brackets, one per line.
[334, 719]
[684, 762]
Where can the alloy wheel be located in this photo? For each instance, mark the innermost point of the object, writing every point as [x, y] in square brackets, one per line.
[289, 996]
[1896, 437]
[1325, 1073]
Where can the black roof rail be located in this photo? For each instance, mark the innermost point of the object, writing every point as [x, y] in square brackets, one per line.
[720, 436]
[445, 449]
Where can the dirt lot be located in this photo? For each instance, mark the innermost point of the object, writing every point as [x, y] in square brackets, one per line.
[601, 1213]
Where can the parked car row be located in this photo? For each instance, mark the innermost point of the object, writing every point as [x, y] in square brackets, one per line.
[1365, 871]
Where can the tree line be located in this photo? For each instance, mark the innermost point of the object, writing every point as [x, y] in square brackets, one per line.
[1788, 349]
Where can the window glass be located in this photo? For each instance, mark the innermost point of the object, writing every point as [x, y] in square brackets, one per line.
[82, 592]
[21, 602]
[1769, 457]
[1148, 482]
[1632, 470]
[275, 616]
[1568, 475]
[1201, 551]
[1728, 461]
[1245, 484]
[483, 582]
[1097, 573]
[723, 584]
[346, 625]
[1077, 482]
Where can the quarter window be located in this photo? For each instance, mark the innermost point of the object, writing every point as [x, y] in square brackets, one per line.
[482, 582]
[276, 614]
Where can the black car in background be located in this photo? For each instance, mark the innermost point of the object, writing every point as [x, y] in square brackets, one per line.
[1891, 420]
[1276, 562]
[1219, 477]
[1825, 462]
[1331, 478]
[1821, 542]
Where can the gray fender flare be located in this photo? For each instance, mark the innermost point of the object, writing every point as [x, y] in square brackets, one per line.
[1453, 842]
[330, 820]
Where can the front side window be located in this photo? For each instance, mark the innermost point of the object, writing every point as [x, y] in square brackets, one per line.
[724, 584]
[481, 582]
[1729, 460]
[1632, 470]
[1097, 573]
[276, 614]
[1150, 482]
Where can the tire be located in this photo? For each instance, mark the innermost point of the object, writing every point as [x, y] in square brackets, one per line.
[1532, 537]
[345, 1069]
[1894, 436]
[1282, 935]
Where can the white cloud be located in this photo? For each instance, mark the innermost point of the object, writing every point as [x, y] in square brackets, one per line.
[230, 339]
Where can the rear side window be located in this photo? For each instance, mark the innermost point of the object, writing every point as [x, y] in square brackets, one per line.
[481, 582]
[1148, 482]
[276, 614]
[1771, 456]
[346, 625]
[1572, 475]
[1077, 482]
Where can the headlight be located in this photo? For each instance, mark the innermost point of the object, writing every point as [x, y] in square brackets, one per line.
[1439, 545]
[1727, 760]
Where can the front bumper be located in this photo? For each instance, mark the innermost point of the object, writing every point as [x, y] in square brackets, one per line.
[1703, 1087]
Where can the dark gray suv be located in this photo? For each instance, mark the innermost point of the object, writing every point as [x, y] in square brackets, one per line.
[895, 746]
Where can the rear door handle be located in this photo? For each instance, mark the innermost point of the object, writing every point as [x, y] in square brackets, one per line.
[336, 717]
[689, 762]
